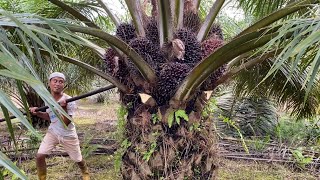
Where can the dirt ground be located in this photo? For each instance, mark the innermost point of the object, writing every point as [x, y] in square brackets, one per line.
[98, 121]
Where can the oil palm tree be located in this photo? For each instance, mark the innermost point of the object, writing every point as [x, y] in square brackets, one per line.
[174, 56]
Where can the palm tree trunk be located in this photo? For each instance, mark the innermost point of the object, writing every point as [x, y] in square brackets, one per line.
[185, 150]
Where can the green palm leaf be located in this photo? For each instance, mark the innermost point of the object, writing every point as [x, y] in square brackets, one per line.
[74, 12]
[24, 99]
[5, 161]
[110, 14]
[205, 28]
[289, 9]
[229, 51]
[26, 30]
[16, 71]
[302, 49]
[91, 69]
[147, 72]
[9, 124]
[254, 115]
[135, 11]
[178, 10]
[260, 8]
[6, 102]
[287, 93]
[165, 21]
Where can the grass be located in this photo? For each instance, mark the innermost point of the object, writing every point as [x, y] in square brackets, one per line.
[101, 168]
[83, 121]
[243, 170]
[61, 168]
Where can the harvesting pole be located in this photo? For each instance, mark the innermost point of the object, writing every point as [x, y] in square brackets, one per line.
[71, 99]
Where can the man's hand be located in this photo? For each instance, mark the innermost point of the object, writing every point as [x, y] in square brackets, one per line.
[63, 103]
[42, 115]
[33, 111]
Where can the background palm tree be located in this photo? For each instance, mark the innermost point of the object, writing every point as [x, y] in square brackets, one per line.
[80, 80]
[174, 56]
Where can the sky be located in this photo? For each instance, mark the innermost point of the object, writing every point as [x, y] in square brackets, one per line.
[229, 9]
[232, 11]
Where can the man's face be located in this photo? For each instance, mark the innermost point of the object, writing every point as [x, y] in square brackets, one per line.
[56, 84]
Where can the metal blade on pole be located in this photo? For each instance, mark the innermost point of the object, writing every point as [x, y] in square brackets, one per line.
[71, 99]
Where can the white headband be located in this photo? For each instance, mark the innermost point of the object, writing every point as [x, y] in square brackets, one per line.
[57, 74]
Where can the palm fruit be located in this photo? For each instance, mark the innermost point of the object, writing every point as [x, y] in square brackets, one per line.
[170, 76]
[148, 52]
[136, 75]
[115, 66]
[152, 32]
[208, 47]
[109, 64]
[191, 21]
[144, 46]
[192, 46]
[126, 32]
[215, 30]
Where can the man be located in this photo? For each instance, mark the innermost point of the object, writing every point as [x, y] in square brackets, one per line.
[58, 133]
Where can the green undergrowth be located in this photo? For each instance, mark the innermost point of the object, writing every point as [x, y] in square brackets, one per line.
[61, 168]
[102, 166]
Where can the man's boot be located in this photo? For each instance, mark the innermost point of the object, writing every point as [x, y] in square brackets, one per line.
[41, 166]
[42, 173]
[84, 170]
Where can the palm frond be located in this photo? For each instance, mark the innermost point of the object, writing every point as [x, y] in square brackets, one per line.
[110, 14]
[229, 51]
[9, 124]
[259, 9]
[301, 50]
[135, 11]
[232, 26]
[5, 161]
[24, 99]
[243, 64]
[205, 28]
[178, 13]
[165, 21]
[289, 94]
[144, 68]
[91, 69]
[15, 70]
[289, 9]
[89, 10]
[74, 12]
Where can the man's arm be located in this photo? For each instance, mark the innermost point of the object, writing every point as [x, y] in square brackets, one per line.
[65, 119]
[42, 115]
[63, 104]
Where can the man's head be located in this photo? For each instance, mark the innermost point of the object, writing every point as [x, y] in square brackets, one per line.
[56, 82]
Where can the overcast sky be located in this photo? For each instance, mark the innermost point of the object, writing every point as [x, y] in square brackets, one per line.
[229, 9]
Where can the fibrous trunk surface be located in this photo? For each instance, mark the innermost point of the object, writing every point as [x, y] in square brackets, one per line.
[183, 151]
